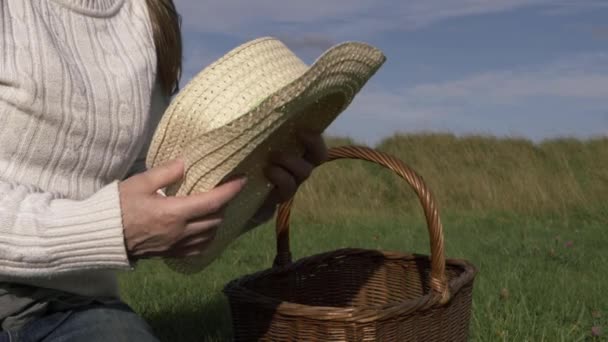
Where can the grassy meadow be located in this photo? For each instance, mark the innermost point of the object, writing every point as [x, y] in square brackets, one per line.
[533, 218]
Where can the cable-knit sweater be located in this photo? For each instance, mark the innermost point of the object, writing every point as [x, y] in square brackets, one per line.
[78, 107]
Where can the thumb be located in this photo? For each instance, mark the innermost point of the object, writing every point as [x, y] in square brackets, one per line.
[165, 174]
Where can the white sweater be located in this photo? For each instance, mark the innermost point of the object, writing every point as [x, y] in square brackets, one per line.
[78, 104]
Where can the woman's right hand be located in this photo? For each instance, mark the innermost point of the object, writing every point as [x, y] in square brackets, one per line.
[173, 226]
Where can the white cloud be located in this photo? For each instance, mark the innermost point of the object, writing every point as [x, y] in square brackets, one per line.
[565, 89]
[339, 18]
[315, 24]
[505, 87]
[583, 77]
[234, 16]
[575, 7]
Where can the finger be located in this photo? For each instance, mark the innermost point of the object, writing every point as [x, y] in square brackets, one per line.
[300, 168]
[162, 176]
[190, 251]
[195, 240]
[285, 183]
[201, 204]
[315, 148]
[206, 226]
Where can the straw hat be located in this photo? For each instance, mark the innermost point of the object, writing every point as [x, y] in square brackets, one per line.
[251, 101]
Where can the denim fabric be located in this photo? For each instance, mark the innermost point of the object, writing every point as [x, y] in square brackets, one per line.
[93, 323]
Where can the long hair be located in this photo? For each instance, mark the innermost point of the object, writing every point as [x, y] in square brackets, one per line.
[168, 42]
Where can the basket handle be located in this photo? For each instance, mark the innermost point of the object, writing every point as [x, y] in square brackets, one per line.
[438, 280]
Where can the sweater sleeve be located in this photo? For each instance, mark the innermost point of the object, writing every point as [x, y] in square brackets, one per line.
[42, 234]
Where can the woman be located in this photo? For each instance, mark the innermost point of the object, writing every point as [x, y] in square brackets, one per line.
[82, 87]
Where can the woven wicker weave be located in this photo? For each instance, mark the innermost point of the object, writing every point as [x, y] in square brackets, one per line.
[357, 294]
[231, 115]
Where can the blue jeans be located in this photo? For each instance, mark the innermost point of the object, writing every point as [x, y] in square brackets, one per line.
[92, 323]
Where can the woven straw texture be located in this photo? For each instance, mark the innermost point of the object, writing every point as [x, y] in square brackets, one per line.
[357, 294]
[229, 117]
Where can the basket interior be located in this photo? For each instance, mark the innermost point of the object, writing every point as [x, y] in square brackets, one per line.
[343, 280]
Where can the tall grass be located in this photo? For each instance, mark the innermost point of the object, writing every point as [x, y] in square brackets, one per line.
[471, 173]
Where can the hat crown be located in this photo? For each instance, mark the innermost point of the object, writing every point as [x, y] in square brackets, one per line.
[238, 82]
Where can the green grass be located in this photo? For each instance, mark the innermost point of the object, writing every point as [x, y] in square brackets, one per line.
[532, 218]
[553, 289]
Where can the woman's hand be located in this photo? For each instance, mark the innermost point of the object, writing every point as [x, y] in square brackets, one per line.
[181, 226]
[174, 226]
[287, 172]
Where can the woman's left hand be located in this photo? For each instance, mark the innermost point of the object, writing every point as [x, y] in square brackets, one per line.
[287, 172]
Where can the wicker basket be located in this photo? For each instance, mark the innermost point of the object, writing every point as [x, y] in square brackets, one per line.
[357, 294]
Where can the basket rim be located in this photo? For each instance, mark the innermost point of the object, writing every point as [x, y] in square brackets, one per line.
[238, 289]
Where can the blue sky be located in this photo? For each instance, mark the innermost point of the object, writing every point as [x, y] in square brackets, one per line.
[529, 68]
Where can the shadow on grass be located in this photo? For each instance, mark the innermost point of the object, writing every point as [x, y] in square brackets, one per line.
[210, 322]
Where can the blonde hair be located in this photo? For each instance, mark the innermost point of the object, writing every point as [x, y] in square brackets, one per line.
[166, 28]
